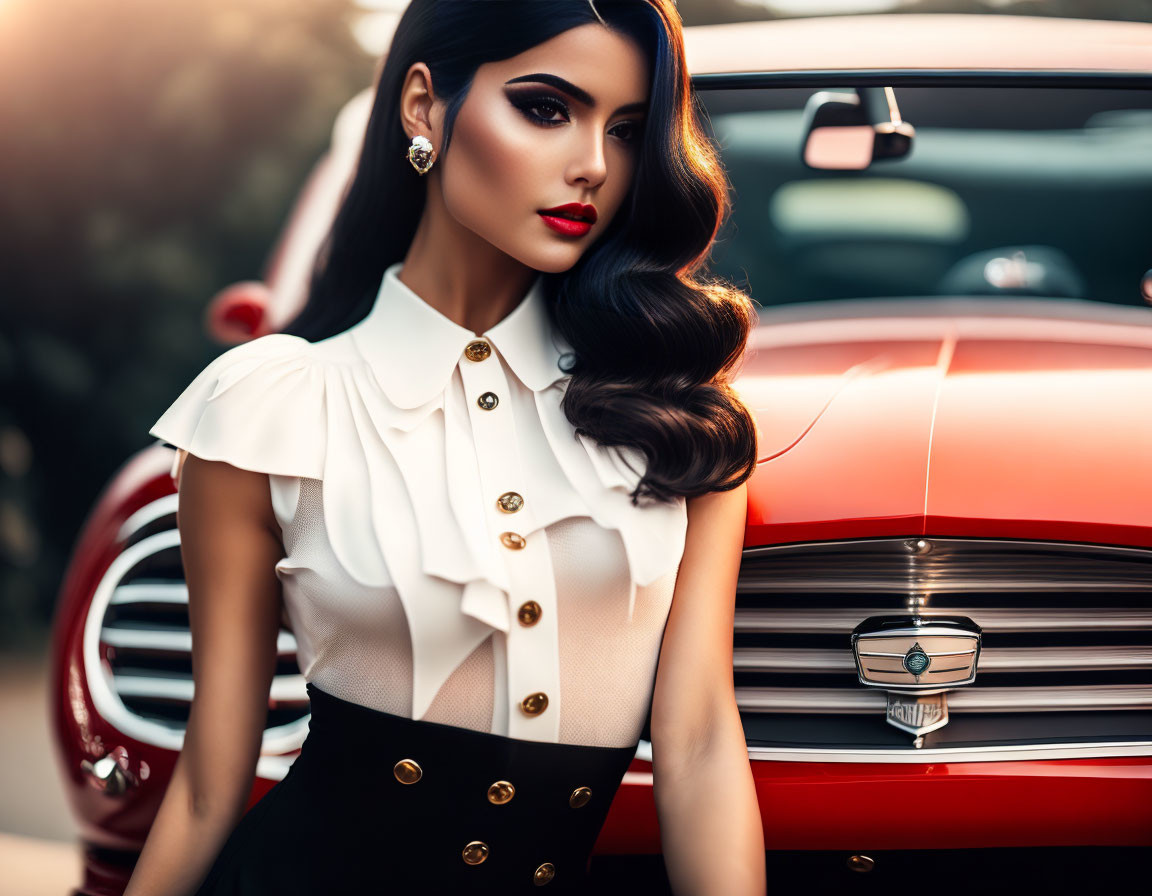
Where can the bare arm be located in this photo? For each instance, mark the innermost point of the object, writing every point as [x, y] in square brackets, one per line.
[230, 543]
[710, 826]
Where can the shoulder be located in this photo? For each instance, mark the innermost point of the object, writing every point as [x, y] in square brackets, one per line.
[255, 406]
[283, 347]
[269, 347]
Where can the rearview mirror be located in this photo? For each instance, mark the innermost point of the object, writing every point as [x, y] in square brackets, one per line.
[849, 131]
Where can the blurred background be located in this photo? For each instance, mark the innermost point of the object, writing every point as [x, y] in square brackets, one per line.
[149, 154]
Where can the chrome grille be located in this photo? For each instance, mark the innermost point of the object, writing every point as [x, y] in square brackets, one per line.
[1067, 655]
[138, 647]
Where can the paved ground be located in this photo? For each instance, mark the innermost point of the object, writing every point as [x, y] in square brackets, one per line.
[35, 867]
[38, 851]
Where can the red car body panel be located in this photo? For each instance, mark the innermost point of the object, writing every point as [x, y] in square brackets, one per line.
[962, 428]
[865, 806]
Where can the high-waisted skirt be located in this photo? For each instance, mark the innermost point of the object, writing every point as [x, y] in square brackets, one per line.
[377, 803]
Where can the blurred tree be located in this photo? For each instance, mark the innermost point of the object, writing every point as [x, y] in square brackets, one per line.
[148, 155]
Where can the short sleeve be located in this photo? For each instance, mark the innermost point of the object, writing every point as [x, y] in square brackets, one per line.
[258, 406]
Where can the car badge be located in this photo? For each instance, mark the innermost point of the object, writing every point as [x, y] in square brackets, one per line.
[916, 659]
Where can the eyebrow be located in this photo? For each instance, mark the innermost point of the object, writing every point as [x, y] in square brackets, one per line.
[572, 90]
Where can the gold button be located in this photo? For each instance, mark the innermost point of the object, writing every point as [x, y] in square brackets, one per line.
[488, 401]
[544, 874]
[534, 704]
[529, 613]
[500, 792]
[407, 771]
[580, 797]
[510, 502]
[475, 852]
[512, 540]
[478, 350]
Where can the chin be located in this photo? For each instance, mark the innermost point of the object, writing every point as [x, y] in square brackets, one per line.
[554, 260]
[555, 265]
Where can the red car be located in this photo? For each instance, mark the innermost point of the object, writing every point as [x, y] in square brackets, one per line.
[943, 636]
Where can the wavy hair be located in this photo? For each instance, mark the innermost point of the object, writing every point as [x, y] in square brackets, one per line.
[655, 341]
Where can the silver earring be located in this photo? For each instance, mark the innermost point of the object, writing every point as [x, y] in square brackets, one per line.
[421, 154]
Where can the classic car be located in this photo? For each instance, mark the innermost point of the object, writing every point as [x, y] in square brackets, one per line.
[943, 632]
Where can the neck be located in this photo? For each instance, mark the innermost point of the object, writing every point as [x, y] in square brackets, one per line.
[458, 272]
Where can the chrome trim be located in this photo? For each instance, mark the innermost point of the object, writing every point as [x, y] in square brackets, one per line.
[874, 700]
[147, 515]
[934, 653]
[101, 681]
[284, 689]
[152, 592]
[992, 659]
[1059, 658]
[998, 753]
[931, 565]
[990, 619]
[174, 640]
[275, 768]
[817, 585]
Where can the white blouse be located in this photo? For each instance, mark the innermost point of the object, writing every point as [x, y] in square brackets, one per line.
[455, 552]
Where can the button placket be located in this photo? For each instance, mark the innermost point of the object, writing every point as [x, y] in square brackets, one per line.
[532, 659]
[533, 650]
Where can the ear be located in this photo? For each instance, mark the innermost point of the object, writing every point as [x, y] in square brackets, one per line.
[419, 109]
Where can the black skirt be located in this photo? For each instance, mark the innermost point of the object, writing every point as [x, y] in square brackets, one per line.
[377, 803]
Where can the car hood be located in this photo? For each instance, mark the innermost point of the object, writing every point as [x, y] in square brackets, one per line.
[978, 417]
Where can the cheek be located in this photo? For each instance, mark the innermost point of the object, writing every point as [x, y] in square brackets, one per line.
[492, 171]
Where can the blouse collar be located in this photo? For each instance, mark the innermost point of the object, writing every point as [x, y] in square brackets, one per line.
[413, 348]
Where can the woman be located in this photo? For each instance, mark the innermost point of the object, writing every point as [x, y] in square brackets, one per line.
[493, 565]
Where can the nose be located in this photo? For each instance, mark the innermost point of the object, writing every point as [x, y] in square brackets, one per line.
[588, 166]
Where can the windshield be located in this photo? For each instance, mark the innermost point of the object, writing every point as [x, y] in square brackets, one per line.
[1041, 191]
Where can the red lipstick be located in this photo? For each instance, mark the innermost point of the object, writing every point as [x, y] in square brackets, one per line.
[571, 219]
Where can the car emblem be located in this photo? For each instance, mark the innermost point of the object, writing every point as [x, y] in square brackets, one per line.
[916, 653]
[917, 659]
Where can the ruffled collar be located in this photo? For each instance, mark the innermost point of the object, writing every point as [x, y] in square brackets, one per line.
[412, 371]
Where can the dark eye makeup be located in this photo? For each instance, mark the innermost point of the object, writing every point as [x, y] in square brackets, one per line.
[540, 107]
[531, 103]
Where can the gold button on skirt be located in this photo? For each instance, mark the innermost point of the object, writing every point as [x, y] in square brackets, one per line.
[388, 805]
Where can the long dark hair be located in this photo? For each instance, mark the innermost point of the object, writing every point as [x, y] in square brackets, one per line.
[655, 342]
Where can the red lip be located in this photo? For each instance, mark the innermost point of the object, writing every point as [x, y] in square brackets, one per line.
[573, 209]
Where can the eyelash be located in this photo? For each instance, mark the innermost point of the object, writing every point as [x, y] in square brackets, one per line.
[545, 101]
